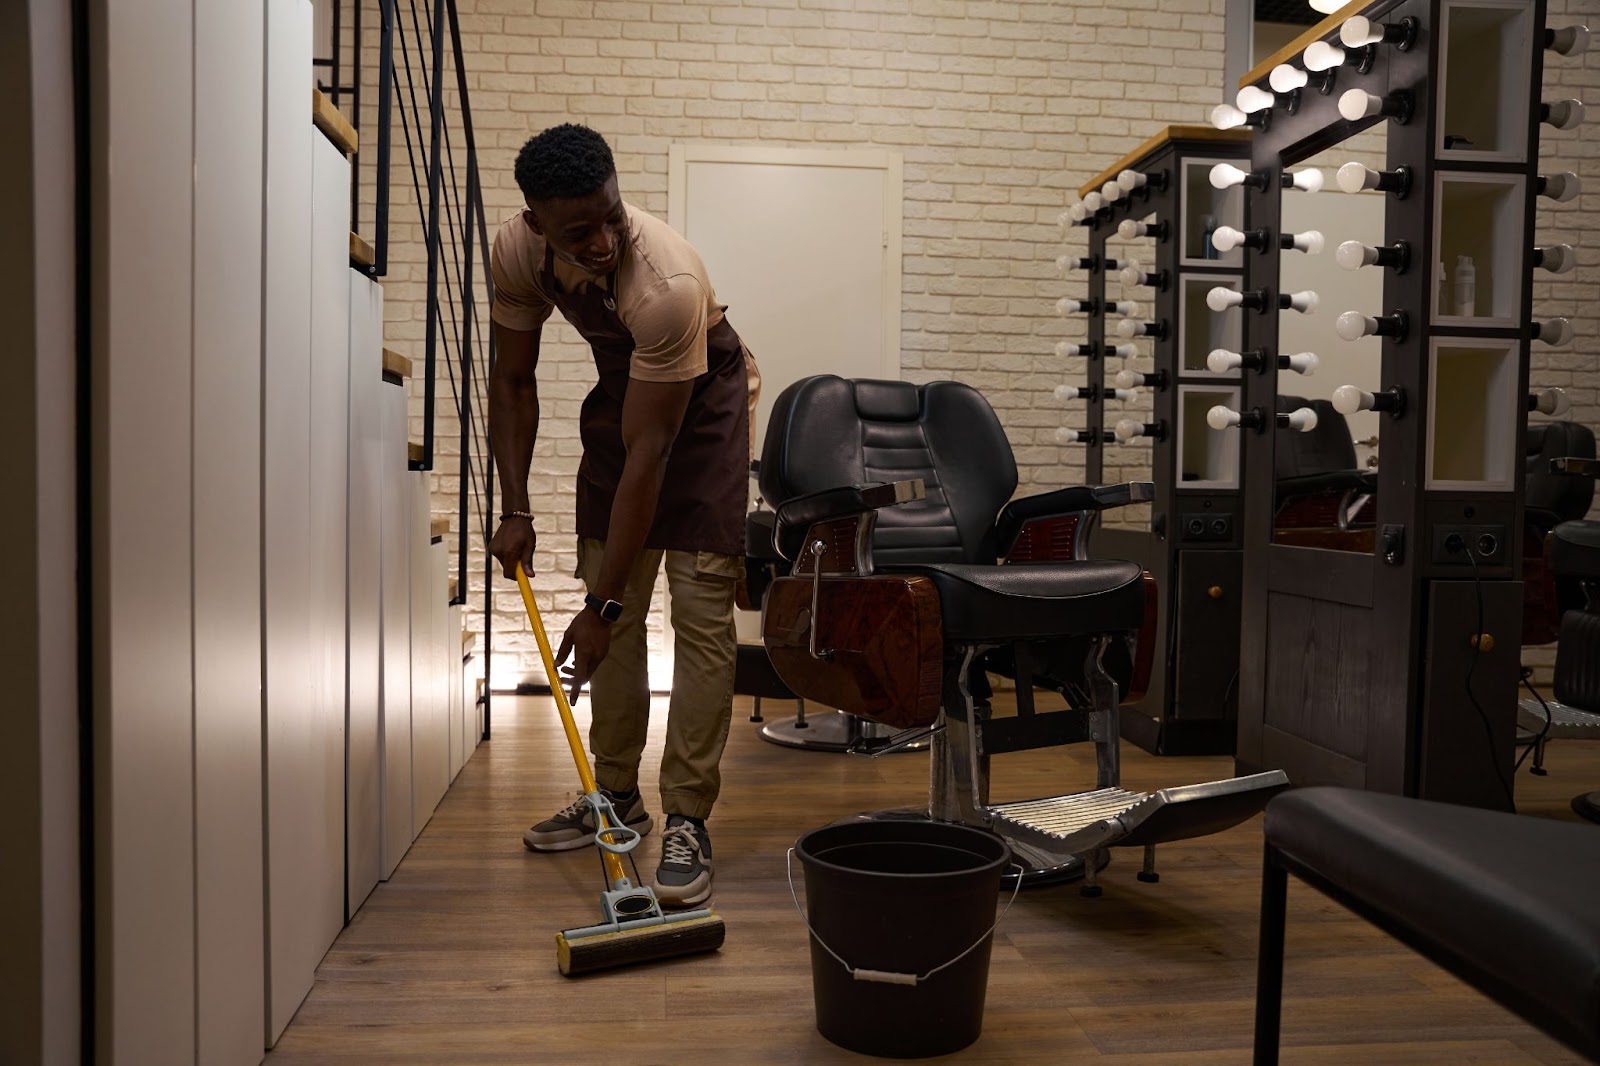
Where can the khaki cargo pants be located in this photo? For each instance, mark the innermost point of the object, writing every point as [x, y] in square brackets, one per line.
[702, 588]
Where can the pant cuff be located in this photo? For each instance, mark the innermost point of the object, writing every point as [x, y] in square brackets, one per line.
[616, 780]
[688, 804]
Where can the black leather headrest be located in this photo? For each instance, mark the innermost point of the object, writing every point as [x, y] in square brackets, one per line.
[888, 401]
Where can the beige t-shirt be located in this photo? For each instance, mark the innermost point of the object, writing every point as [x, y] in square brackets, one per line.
[664, 297]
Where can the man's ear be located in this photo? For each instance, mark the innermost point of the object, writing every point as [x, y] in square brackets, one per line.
[533, 223]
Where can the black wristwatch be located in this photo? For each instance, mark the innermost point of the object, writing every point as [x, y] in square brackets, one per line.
[610, 610]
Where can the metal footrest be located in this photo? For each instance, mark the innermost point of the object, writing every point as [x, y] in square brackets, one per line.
[1112, 817]
[1566, 723]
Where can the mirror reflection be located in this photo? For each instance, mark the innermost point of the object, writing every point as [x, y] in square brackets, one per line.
[1327, 470]
[1128, 360]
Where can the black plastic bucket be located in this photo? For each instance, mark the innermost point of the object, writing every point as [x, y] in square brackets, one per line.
[901, 898]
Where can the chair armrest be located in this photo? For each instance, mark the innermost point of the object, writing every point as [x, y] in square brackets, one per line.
[1581, 467]
[1062, 503]
[1327, 483]
[799, 514]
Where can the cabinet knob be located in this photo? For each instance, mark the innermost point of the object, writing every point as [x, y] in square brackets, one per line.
[1215, 592]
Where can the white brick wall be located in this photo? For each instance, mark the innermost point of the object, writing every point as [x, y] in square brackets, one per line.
[1000, 111]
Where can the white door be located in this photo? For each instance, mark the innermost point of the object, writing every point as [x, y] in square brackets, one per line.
[803, 245]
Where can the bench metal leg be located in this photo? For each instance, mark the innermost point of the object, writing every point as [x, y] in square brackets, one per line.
[1269, 963]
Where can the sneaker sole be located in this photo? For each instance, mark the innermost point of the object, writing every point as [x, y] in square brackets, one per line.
[691, 895]
[531, 841]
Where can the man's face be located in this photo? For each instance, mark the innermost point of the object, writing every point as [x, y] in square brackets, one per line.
[589, 232]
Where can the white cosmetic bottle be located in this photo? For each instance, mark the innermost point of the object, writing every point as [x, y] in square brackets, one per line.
[1466, 287]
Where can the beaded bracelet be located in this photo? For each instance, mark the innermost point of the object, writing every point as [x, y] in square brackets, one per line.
[516, 514]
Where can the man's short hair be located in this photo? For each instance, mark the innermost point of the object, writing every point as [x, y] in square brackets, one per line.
[562, 162]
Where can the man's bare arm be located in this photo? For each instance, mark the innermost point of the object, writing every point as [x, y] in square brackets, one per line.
[652, 414]
[513, 429]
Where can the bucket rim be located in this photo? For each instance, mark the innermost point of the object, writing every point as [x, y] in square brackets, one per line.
[809, 859]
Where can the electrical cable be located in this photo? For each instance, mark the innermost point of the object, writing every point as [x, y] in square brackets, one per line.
[1472, 665]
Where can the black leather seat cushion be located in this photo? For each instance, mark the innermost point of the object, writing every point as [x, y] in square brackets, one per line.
[1575, 550]
[993, 603]
[1513, 897]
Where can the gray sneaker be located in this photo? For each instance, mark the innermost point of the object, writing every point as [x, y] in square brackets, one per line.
[573, 825]
[684, 877]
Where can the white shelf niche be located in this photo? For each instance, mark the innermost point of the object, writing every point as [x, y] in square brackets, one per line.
[1207, 458]
[1473, 407]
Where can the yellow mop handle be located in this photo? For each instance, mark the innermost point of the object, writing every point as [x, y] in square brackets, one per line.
[614, 869]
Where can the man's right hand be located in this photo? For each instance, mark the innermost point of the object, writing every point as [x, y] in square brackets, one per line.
[513, 543]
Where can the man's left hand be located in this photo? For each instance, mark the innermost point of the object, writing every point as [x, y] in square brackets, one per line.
[588, 638]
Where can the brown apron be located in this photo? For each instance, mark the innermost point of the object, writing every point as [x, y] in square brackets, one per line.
[707, 484]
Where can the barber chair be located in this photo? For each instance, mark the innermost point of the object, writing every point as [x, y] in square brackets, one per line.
[1551, 497]
[913, 576]
[1324, 500]
[825, 730]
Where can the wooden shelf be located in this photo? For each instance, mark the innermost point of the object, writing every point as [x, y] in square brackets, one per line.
[361, 253]
[396, 365]
[439, 527]
[454, 585]
[414, 452]
[334, 125]
[1171, 133]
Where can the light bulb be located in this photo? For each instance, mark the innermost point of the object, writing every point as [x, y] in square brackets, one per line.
[1304, 302]
[1220, 299]
[1302, 363]
[1563, 114]
[1222, 361]
[1571, 41]
[1286, 79]
[1358, 104]
[1112, 191]
[1094, 201]
[1065, 349]
[1302, 419]
[1125, 395]
[1226, 238]
[1562, 188]
[1226, 176]
[1255, 98]
[1358, 31]
[1320, 56]
[1124, 307]
[1310, 179]
[1072, 436]
[1128, 379]
[1549, 402]
[1556, 332]
[1326, 7]
[1228, 117]
[1129, 429]
[1309, 242]
[1354, 177]
[1353, 255]
[1077, 212]
[1347, 400]
[1556, 258]
[1066, 392]
[1122, 351]
[1132, 179]
[1353, 325]
[1220, 417]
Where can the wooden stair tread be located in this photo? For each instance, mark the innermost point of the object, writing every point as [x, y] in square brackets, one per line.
[396, 364]
[361, 253]
[414, 452]
[332, 123]
[439, 527]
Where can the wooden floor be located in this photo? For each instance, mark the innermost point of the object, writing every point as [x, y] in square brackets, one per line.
[452, 960]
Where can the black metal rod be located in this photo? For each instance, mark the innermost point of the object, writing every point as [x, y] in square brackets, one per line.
[380, 266]
[435, 160]
[333, 90]
[466, 377]
[356, 50]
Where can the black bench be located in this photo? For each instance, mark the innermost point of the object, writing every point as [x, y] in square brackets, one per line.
[1504, 902]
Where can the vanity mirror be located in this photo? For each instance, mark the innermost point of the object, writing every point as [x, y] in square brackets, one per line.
[1326, 473]
[1129, 402]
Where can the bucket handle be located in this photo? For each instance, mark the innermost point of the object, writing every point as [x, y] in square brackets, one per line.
[888, 977]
